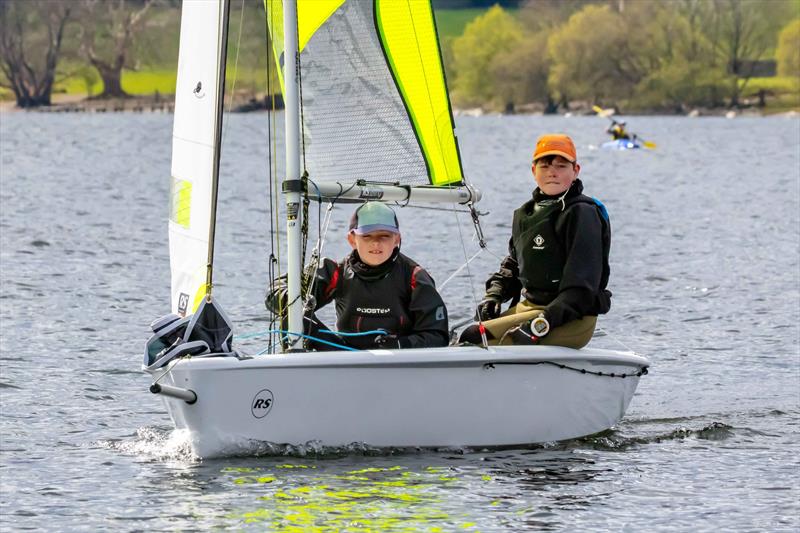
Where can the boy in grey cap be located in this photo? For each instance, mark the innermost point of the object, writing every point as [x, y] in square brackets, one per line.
[377, 289]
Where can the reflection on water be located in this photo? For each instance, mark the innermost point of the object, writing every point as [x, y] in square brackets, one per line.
[336, 496]
[378, 499]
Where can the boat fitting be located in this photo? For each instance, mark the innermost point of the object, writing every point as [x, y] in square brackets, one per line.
[187, 395]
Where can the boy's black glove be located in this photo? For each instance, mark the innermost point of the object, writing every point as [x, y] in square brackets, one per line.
[387, 342]
[488, 309]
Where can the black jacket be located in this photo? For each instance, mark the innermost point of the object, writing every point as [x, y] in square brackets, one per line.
[397, 296]
[568, 270]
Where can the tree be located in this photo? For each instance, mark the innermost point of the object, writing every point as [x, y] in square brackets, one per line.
[741, 36]
[31, 33]
[106, 38]
[788, 52]
[475, 51]
[584, 54]
[538, 15]
[681, 66]
[520, 74]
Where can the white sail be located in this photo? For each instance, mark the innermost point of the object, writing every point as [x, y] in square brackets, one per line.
[193, 151]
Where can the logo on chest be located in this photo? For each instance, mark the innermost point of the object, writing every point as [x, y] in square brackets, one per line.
[538, 242]
[374, 310]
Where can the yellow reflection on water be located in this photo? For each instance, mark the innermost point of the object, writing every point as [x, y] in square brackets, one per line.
[298, 498]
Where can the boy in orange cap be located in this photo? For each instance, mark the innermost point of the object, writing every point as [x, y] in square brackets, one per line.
[557, 270]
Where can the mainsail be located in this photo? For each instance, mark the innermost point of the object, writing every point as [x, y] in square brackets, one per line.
[193, 150]
[374, 99]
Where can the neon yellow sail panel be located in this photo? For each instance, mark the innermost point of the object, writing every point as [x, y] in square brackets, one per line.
[310, 16]
[418, 71]
[374, 98]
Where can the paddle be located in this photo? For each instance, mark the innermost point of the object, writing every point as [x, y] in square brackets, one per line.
[608, 112]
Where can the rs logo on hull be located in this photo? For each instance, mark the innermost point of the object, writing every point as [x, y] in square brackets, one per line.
[262, 403]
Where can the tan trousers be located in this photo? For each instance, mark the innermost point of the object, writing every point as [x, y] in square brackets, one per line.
[575, 334]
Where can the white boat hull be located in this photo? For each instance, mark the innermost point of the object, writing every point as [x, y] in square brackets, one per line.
[443, 397]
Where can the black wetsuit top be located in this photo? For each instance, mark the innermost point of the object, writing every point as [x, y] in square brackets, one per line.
[558, 257]
[397, 296]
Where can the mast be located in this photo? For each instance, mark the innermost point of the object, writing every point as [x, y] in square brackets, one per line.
[222, 48]
[292, 184]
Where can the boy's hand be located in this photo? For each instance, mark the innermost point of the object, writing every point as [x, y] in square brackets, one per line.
[488, 309]
[387, 342]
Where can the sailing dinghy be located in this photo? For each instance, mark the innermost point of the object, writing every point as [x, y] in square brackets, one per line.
[376, 125]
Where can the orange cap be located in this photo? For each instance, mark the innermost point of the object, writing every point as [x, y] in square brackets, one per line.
[555, 144]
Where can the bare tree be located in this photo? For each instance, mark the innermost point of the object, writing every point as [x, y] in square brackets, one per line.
[107, 36]
[740, 33]
[30, 43]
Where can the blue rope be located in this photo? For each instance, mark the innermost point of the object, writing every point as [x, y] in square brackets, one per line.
[284, 332]
[358, 334]
[339, 333]
[323, 341]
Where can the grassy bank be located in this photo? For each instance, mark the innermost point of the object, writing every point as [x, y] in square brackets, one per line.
[781, 93]
[161, 43]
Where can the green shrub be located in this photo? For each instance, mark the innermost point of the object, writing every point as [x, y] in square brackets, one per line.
[788, 52]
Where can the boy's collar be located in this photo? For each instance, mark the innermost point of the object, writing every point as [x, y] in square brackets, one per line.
[366, 271]
[575, 188]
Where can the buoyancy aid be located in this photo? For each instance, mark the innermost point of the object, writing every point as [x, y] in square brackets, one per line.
[387, 289]
[618, 133]
[540, 251]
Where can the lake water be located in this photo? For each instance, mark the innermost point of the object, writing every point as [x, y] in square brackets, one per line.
[706, 281]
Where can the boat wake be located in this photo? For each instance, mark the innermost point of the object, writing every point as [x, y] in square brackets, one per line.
[163, 444]
[620, 440]
[156, 443]
[610, 440]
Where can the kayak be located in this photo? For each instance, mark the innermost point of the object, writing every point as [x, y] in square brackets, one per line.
[621, 144]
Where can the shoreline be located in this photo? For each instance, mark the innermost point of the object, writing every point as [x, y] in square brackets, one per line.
[61, 103]
[166, 104]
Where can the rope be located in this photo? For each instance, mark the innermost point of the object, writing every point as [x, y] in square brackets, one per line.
[614, 338]
[356, 333]
[643, 371]
[273, 269]
[257, 334]
[177, 361]
[301, 335]
[459, 269]
[235, 69]
[316, 252]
